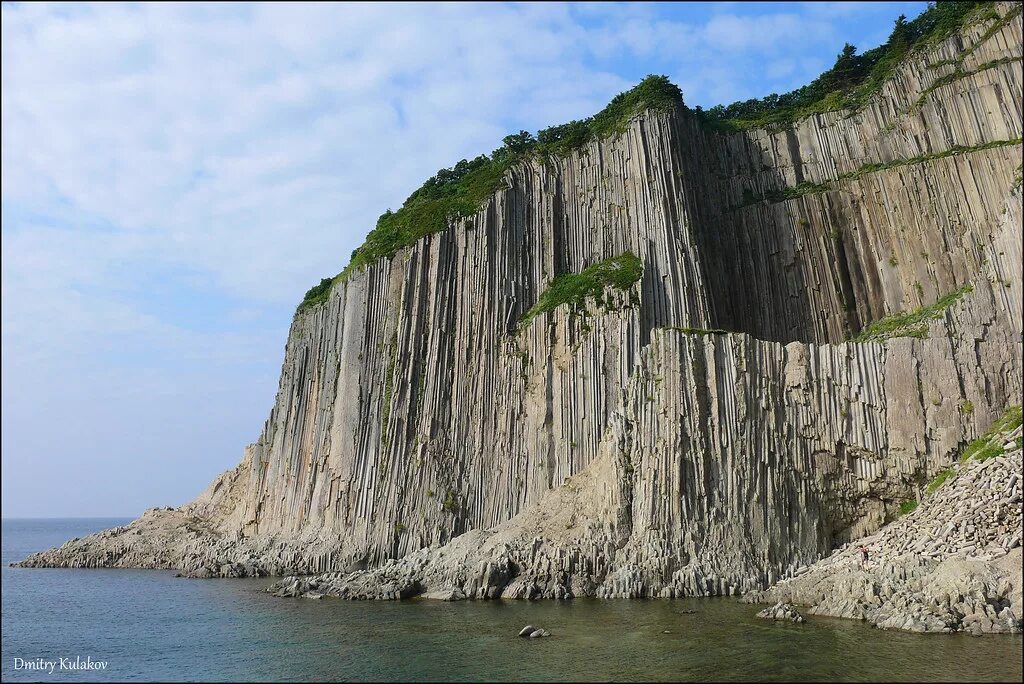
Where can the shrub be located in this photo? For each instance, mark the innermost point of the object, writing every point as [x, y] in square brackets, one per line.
[317, 294]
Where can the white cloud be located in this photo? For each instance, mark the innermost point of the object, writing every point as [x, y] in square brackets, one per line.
[162, 118]
[176, 175]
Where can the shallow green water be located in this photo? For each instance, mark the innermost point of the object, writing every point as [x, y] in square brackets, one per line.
[150, 625]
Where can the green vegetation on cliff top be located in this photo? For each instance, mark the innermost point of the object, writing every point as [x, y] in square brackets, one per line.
[854, 78]
[318, 293]
[573, 289]
[459, 192]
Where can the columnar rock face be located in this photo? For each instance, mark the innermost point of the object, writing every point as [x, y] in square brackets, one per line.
[733, 462]
[415, 410]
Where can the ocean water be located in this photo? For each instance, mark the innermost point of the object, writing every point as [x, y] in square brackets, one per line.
[150, 625]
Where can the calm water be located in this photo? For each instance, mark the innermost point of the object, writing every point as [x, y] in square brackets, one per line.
[151, 625]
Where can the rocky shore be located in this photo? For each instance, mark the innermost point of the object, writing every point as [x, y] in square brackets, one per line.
[951, 565]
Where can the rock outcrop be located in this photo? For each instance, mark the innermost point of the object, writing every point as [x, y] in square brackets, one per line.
[707, 430]
[782, 611]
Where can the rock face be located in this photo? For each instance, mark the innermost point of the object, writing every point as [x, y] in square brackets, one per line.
[424, 442]
[953, 564]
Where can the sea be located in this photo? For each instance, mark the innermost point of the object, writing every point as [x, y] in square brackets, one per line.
[148, 625]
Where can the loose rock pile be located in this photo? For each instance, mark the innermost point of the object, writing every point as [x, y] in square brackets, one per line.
[951, 565]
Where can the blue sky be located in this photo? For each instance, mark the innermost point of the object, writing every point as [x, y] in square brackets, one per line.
[175, 177]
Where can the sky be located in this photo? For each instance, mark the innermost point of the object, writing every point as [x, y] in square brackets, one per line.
[176, 176]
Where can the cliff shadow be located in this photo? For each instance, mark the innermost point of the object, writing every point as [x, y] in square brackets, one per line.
[775, 268]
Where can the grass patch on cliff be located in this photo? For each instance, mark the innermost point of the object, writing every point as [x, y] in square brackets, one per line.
[806, 188]
[908, 506]
[958, 73]
[696, 331]
[854, 78]
[939, 480]
[985, 447]
[912, 324]
[573, 289]
[920, 159]
[991, 443]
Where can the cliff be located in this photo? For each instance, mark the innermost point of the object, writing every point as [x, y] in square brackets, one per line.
[706, 427]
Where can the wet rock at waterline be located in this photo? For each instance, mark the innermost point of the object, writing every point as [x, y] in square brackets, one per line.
[781, 611]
